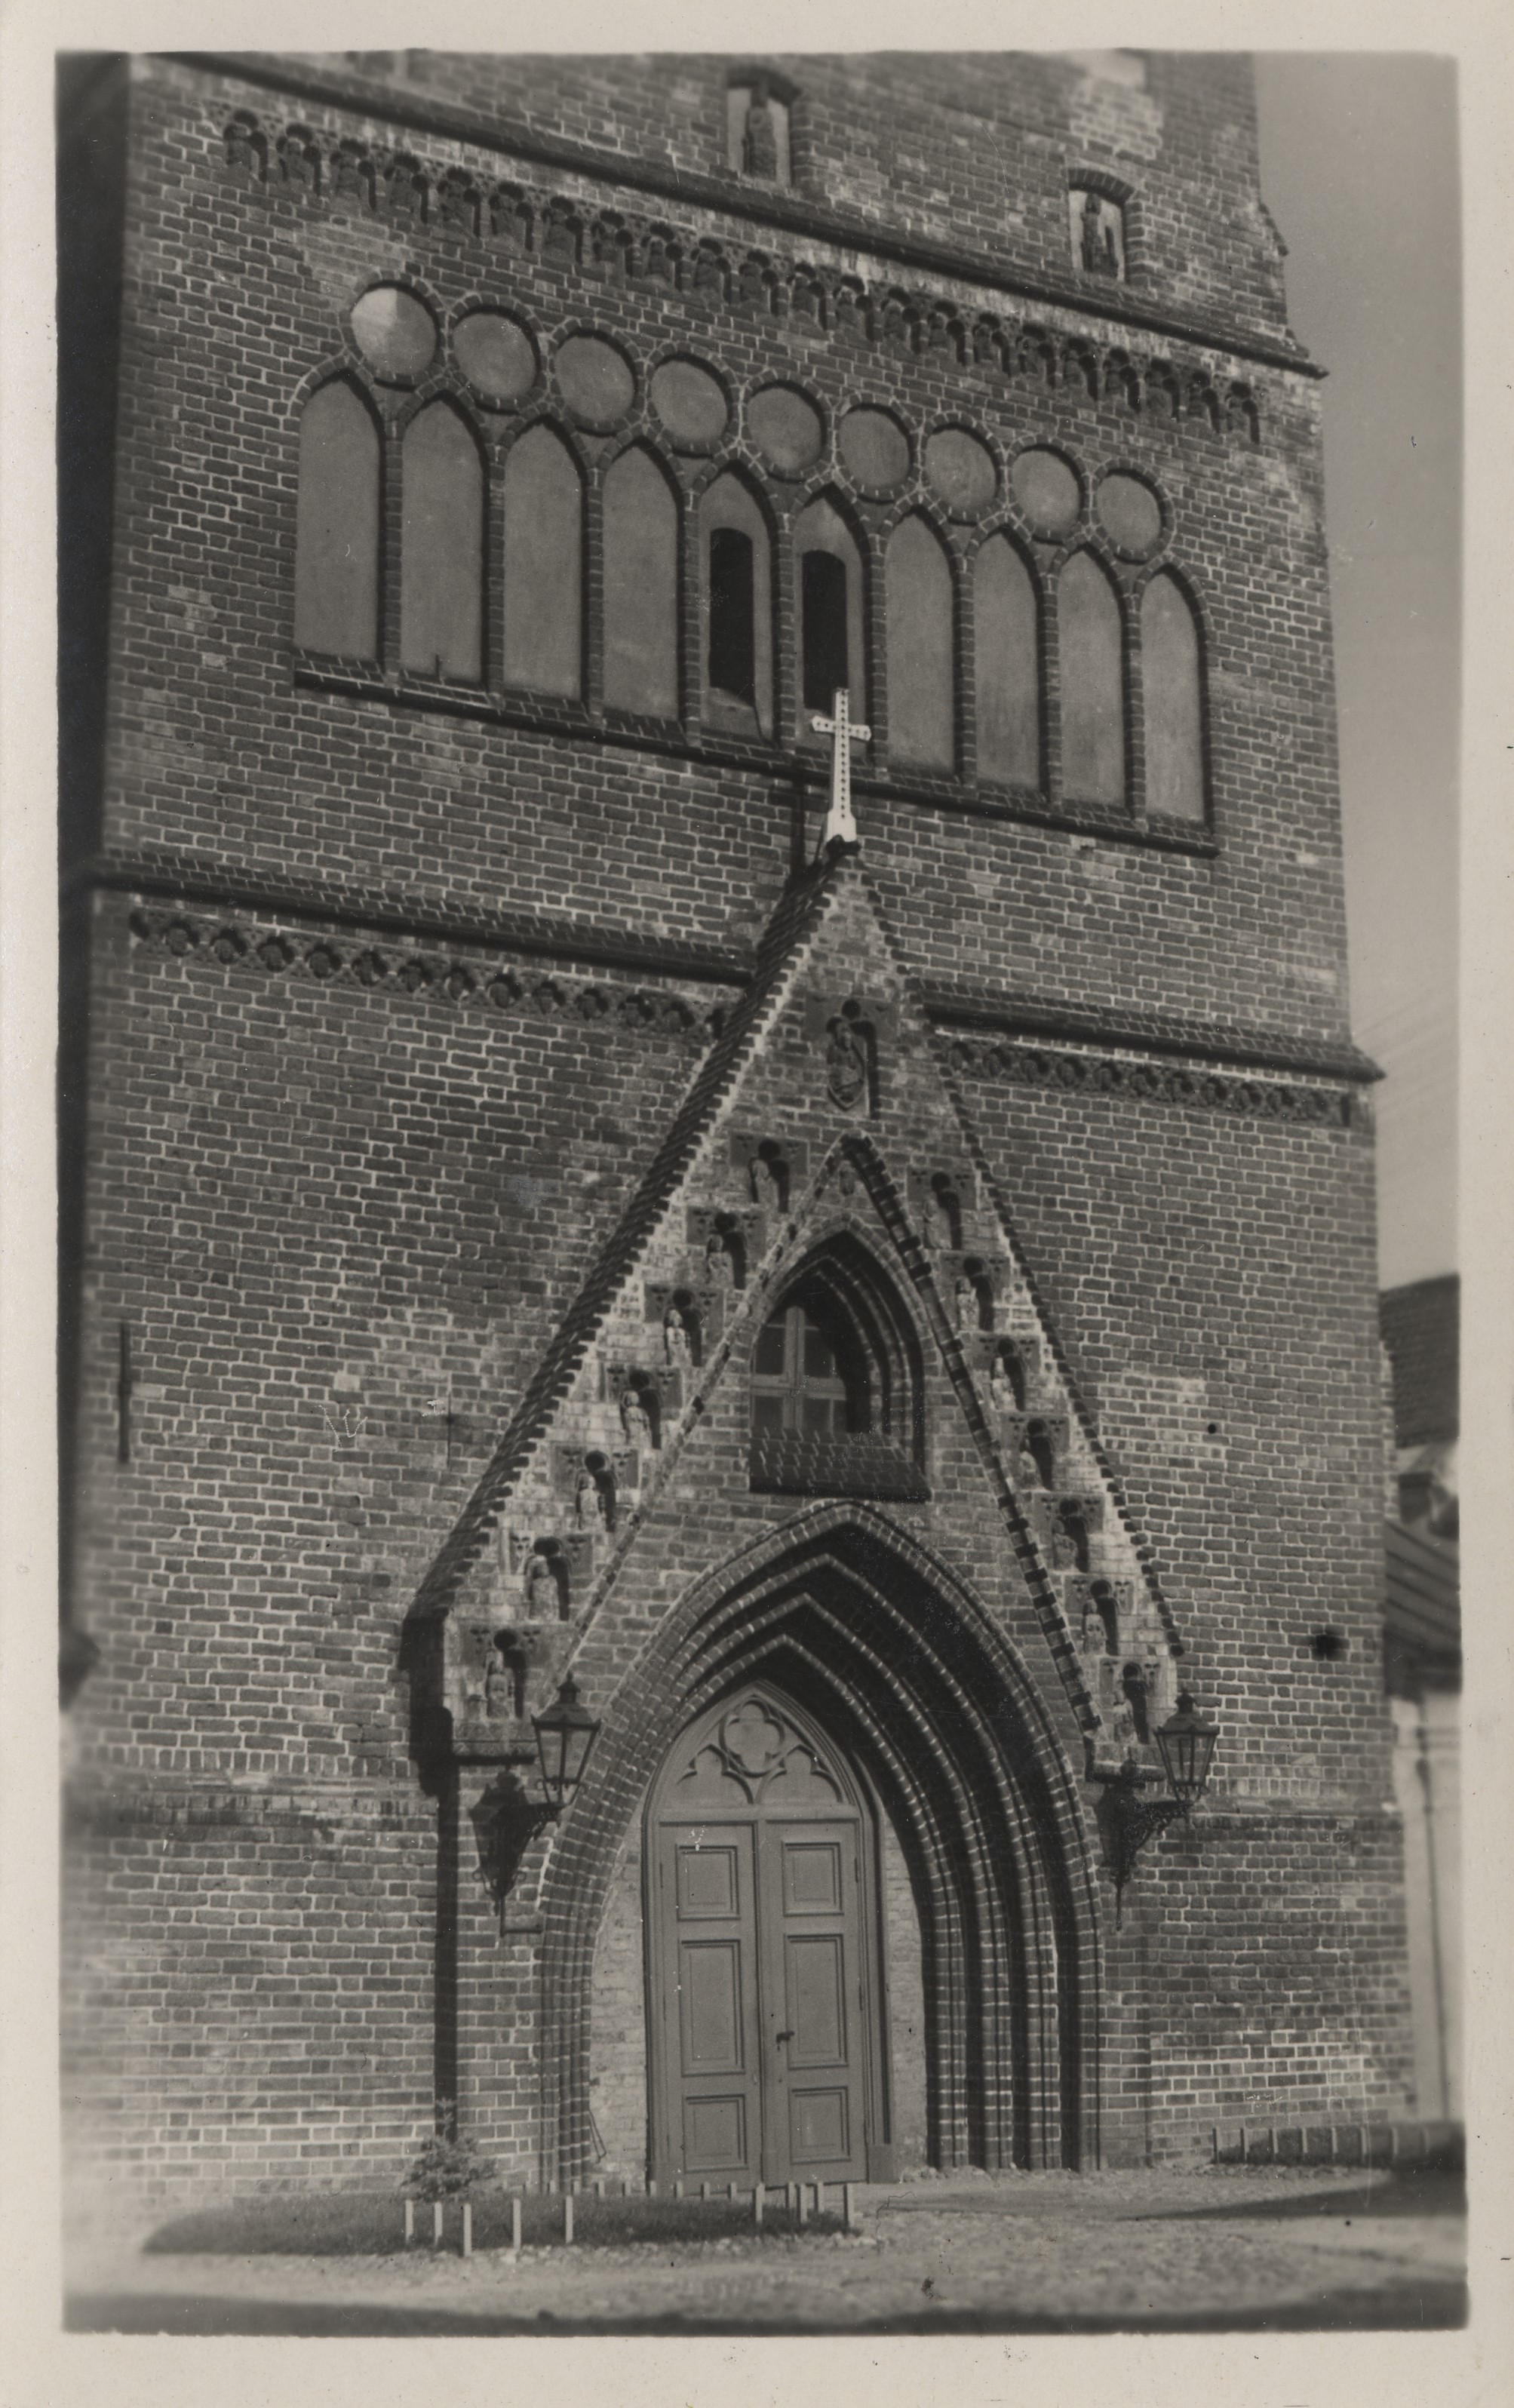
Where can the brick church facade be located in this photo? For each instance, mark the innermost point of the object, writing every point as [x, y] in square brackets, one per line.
[883, 1312]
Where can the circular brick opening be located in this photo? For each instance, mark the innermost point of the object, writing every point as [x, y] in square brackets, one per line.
[690, 404]
[595, 379]
[496, 354]
[786, 427]
[394, 332]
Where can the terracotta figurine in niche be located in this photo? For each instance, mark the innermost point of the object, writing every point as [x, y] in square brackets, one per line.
[764, 1186]
[498, 1689]
[1101, 256]
[935, 1231]
[1095, 1638]
[758, 140]
[588, 1501]
[635, 1421]
[846, 1065]
[675, 1336]
[964, 1302]
[1001, 1388]
[542, 1597]
[718, 1267]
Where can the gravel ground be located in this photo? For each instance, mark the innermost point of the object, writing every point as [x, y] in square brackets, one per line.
[1225, 2249]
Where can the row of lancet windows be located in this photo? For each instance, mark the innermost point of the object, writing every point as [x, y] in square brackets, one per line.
[510, 608]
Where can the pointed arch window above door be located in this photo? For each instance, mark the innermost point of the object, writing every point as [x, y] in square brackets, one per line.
[836, 1383]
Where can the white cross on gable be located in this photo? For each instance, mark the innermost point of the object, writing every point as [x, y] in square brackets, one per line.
[839, 822]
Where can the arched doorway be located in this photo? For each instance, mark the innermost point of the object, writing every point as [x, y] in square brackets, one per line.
[912, 1689]
[764, 1984]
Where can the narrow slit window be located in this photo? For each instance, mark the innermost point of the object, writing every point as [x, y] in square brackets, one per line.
[733, 666]
[337, 526]
[1172, 683]
[1092, 650]
[441, 547]
[543, 567]
[823, 607]
[641, 589]
[917, 584]
[1007, 675]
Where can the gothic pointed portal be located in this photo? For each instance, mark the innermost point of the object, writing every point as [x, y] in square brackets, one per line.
[835, 1689]
[815, 1324]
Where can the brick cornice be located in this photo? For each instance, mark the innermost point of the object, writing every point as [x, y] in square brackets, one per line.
[1147, 1032]
[186, 879]
[792, 212]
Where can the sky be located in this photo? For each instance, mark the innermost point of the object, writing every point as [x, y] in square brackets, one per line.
[1359, 168]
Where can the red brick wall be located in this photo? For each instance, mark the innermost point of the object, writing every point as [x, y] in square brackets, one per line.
[341, 1219]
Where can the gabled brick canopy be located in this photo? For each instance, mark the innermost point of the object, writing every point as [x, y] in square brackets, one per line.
[891, 1162]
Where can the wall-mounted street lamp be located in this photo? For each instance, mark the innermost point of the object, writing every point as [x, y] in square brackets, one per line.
[566, 1734]
[1186, 1745]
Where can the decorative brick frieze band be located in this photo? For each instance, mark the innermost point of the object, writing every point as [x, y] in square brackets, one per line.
[459, 206]
[1089, 1073]
[400, 967]
[413, 947]
[1152, 1032]
[533, 228]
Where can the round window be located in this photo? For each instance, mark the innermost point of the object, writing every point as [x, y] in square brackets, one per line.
[786, 427]
[689, 402]
[595, 379]
[1129, 513]
[394, 332]
[1046, 491]
[875, 448]
[961, 469]
[495, 353]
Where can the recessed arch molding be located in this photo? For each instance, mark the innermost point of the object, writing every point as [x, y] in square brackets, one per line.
[905, 1671]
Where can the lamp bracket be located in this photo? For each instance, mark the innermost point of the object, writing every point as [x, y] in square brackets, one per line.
[1129, 1821]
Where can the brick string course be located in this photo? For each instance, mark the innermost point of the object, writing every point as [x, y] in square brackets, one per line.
[341, 1222]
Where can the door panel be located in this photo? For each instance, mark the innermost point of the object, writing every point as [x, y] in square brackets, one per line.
[809, 1890]
[816, 2005]
[708, 2005]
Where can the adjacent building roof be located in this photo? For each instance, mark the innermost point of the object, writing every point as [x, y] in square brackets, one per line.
[1422, 1613]
[1419, 1326]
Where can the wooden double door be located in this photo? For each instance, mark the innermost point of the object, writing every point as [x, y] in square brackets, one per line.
[764, 1992]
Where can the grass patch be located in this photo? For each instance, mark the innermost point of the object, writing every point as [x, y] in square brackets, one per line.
[368, 2224]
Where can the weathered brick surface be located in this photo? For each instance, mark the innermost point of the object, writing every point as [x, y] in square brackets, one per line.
[340, 1164]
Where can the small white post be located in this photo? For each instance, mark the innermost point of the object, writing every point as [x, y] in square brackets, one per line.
[467, 2227]
[437, 2225]
[409, 2219]
[848, 2206]
[704, 2190]
[567, 2216]
[515, 2223]
[759, 2201]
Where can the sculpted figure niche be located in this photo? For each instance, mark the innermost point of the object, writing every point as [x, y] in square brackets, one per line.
[846, 1063]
